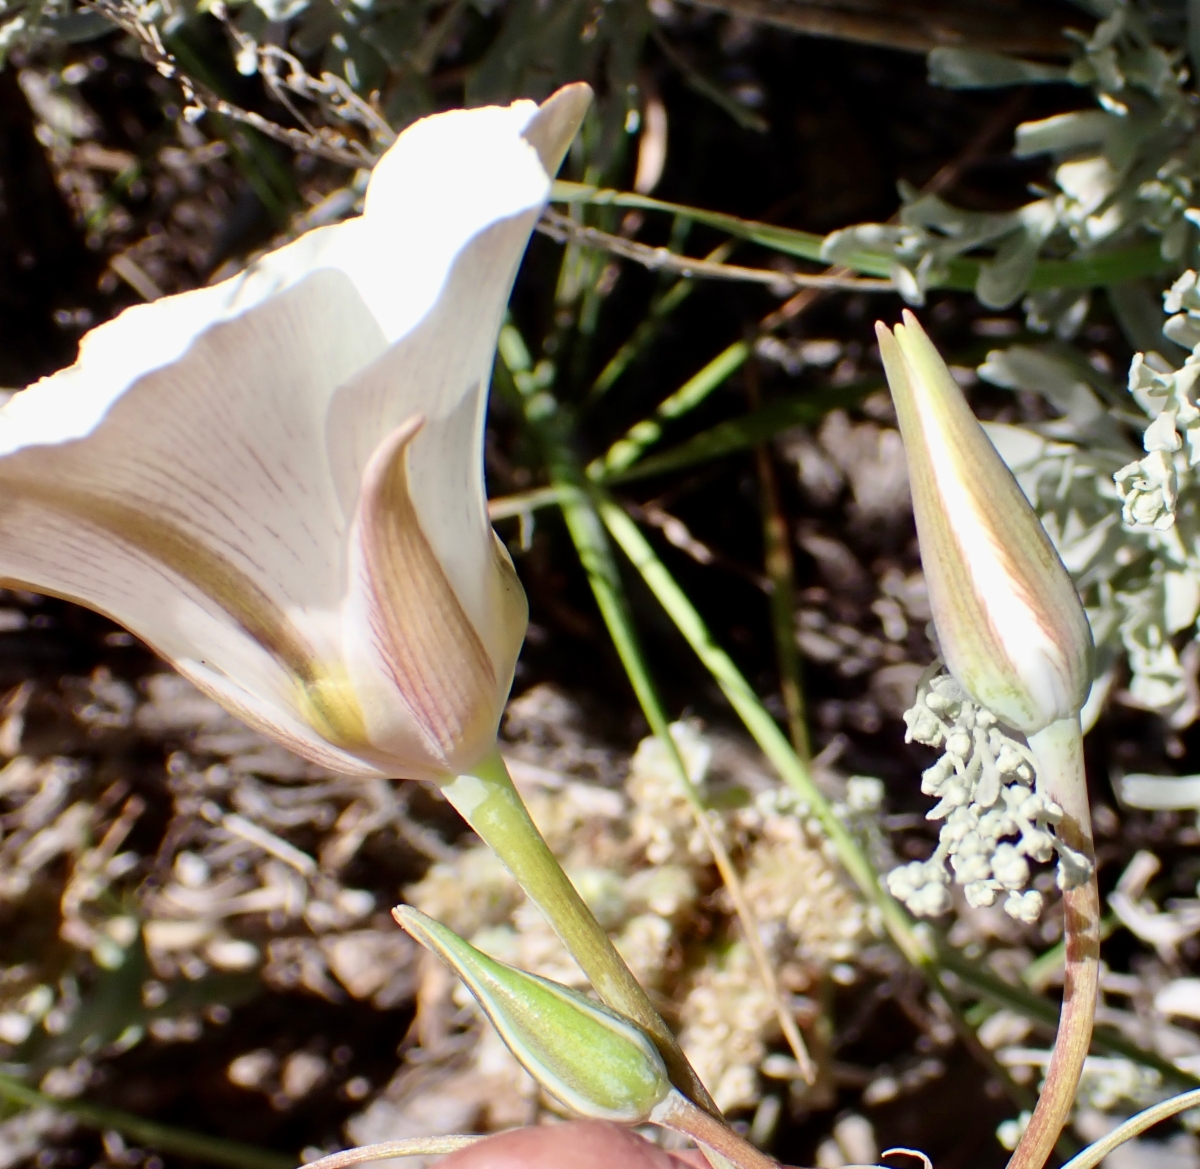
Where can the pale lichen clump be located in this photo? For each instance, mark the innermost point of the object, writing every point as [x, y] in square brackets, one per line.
[727, 1018]
[811, 919]
[994, 824]
[803, 901]
[662, 821]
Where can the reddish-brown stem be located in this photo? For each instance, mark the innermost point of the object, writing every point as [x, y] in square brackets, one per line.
[1059, 754]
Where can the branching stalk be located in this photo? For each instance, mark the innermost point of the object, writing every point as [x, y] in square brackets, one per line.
[562, 228]
[1060, 776]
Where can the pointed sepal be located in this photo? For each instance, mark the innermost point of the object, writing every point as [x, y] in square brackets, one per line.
[593, 1060]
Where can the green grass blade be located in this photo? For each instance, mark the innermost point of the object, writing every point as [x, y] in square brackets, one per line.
[194, 1146]
[648, 329]
[1039, 1009]
[781, 239]
[641, 338]
[781, 572]
[587, 533]
[740, 434]
[761, 725]
[576, 499]
[595, 554]
[629, 448]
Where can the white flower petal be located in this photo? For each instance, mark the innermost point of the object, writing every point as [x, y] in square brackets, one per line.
[214, 466]
[195, 473]
[423, 677]
[441, 369]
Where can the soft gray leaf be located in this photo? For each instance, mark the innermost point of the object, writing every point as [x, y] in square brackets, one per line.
[978, 69]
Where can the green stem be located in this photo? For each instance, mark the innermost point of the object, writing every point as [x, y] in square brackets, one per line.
[162, 1137]
[763, 728]
[1058, 751]
[488, 801]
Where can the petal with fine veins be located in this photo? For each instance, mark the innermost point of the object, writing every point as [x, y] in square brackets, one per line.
[441, 369]
[208, 471]
[405, 626]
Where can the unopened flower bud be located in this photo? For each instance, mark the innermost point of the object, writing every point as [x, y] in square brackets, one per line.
[595, 1061]
[1008, 619]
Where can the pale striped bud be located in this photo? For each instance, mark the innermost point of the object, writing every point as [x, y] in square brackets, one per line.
[1008, 618]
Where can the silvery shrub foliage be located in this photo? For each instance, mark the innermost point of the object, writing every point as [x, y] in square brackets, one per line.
[1123, 513]
[1114, 476]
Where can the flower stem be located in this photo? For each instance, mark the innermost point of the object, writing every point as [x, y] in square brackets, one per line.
[1060, 776]
[489, 802]
[678, 1113]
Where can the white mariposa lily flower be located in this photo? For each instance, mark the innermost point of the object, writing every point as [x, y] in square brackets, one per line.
[277, 481]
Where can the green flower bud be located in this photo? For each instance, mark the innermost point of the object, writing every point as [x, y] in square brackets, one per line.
[1009, 621]
[596, 1062]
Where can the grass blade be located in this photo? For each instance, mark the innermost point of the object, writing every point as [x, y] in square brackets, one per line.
[740, 434]
[595, 554]
[194, 1146]
[628, 449]
[781, 573]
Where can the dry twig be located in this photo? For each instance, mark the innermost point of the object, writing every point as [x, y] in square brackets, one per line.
[562, 228]
[319, 140]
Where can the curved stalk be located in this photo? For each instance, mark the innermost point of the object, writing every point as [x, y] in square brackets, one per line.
[1060, 776]
[489, 802]
[1135, 1125]
[387, 1150]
